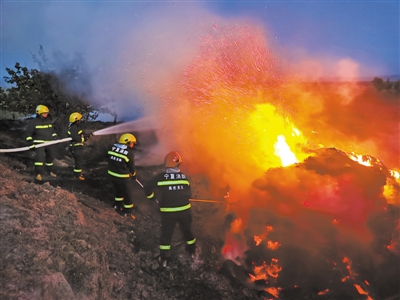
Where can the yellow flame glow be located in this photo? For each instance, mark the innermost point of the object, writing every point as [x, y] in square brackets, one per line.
[362, 160]
[282, 150]
[395, 174]
[276, 134]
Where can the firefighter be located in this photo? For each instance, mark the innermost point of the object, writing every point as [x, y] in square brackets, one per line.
[121, 170]
[76, 146]
[40, 130]
[172, 190]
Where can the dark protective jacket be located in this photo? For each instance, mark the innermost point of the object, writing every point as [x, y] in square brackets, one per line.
[40, 130]
[172, 190]
[121, 161]
[76, 133]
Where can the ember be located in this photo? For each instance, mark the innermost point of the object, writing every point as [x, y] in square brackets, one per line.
[289, 151]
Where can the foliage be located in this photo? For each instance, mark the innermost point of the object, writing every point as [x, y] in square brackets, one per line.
[58, 91]
[31, 88]
[381, 85]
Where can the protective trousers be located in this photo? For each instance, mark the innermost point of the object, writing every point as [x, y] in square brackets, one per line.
[123, 193]
[168, 222]
[44, 159]
[77, 153]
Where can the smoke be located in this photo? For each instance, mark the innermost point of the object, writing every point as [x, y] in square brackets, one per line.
[225, 95]
[331, 222]
[231, 108]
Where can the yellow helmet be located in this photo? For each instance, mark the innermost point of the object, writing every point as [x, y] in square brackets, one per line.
[41, 109]
[172, 160]
[127, 138]
[75, 117]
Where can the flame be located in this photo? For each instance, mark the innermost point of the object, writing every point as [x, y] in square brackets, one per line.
[264, 272]
[237, 114]
[270, 244]
[391, 246]
[361, 291]
[273, 245]
[283, 151]
[350, 274]
[324, 292]
[391, 190]
[274, 291]
[237, 225]
[234, 247]
[276, 134]
[257, 240]
[391, 193]
[395, 174]
[361, 159]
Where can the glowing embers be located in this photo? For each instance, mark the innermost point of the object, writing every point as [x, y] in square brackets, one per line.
[267, 273]
[271, 245]
[365, 160]
[391, 190]
[351, 276]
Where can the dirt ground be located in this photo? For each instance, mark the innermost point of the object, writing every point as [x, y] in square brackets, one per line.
[61, 239]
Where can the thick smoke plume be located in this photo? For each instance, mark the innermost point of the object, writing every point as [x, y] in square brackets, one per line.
[238, 113]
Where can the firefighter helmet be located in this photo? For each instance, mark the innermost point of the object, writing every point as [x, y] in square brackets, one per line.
[41, 109]
[75, 117]
[172, 160]
[127, 138]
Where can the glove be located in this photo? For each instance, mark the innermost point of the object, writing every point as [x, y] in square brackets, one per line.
[133, 176]
[55, 137]
[87, 136]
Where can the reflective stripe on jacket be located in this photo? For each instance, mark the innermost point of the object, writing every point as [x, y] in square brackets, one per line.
[40, 130]
[76, 134]
[121, 161]
[172, 189]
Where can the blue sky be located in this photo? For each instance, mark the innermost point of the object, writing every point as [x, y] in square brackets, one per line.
[113, 38]
[366, 31]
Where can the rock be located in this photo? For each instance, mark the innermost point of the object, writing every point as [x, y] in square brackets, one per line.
[56, 287]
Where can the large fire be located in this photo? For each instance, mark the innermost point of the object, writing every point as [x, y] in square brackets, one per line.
[312, 205]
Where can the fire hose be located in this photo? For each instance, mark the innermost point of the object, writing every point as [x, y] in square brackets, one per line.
[38, 145]
[93, 133]
[190, 199]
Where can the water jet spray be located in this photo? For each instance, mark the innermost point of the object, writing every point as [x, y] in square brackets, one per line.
[135, 125]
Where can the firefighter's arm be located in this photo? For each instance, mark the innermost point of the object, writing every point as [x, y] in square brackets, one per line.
[54, 134]
[73, 132]
[29, 134]
[131, 165]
